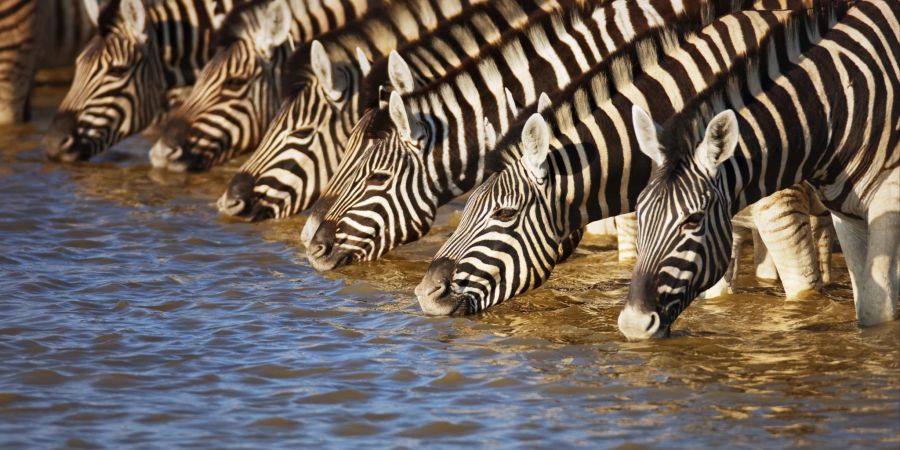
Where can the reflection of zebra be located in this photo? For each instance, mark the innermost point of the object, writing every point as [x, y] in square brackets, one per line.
[514, 226]
[427, 147]
[122, 76]
[828, 118]
[287, 172]
[28, 46]
[239, 90]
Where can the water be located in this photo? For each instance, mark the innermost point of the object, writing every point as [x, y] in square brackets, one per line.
[132, 316]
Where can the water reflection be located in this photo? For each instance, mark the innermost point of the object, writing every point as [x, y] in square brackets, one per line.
[131, 315]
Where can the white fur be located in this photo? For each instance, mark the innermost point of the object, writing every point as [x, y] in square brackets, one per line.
[647, 135]
[321, 65]
[511, 102]
[490, 135]
[543, 102]
[365, 66]
[92, 9]
[135, 18]
[275, 29]
[399, 74]
[719, 142]
[405, 128]
[536, 142]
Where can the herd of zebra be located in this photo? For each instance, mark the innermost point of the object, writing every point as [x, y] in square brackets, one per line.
[696, 124]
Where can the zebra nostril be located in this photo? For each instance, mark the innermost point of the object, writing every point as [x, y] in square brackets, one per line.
[161, 155]
[230, 206]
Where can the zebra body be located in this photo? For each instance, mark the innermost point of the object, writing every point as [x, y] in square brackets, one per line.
[515, 224]
[387, 192]
[239, 90]
[122, 77]
[287, 172]
[829, 117]
[27, 46]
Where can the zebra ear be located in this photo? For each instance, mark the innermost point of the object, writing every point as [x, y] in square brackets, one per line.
[400, 75]
[92, 9]
[511, 103]
[490, 135]
[719, 142]
[647, 135]
[401, 119]
[321, 65]
[275, 29]
[365, 66]
[536, 142]
[135, 18]
[543, 102]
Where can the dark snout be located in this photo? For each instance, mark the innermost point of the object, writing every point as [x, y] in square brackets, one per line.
[639, 320]
[322, 253]
[238, 199]
[61, 143]
[171, 146]
[435, 294]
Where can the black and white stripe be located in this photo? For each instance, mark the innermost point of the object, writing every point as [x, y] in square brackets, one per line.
[239, 90]
[306, 141]
[517, 224]
[143, 50]
[387, 192]
[828, 116]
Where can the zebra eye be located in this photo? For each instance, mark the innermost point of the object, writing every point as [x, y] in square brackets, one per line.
[118, 71]
[504, 214]
[378, 178]
[234, 83]
[304, 133]
[692, 220]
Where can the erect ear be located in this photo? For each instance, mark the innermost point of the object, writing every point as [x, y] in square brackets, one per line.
[511, 103]
[397, 109]
[647, 135]
[543, 102]
[135, 18]
[536, 143]
[719, 142]
[490, 135]
[399, 74]
[365, 66]
[321, 65]
[275, 29]
[92, 10]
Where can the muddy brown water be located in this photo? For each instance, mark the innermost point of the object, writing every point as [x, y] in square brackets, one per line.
[132, 316]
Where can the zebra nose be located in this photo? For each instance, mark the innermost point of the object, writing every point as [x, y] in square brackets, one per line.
[238, 198]
[162, 155]
[434, 294]
[322, 242]
[639, 325]
[60, 138]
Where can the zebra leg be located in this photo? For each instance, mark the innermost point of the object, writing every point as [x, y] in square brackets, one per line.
[878, 275]
[823, 234]
[762, 260]
[782, 220]
[626, 230]
[602, 227]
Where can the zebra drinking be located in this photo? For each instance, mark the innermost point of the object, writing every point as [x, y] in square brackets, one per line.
[828, 116]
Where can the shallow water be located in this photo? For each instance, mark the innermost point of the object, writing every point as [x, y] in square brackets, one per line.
[132, 316]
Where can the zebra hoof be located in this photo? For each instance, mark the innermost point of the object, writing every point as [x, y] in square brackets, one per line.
[638, 325]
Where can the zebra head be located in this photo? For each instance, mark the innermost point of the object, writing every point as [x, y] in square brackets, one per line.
[236, 94]
[507, 241]
[302, 146]
[684, 221]
[384, 193]
[119, 85]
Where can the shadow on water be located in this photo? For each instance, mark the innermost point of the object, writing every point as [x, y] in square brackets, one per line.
[131, 315]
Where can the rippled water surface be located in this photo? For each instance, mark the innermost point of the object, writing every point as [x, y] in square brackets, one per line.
[132, 316]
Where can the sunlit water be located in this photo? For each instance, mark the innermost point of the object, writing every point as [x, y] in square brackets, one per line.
[131, 315]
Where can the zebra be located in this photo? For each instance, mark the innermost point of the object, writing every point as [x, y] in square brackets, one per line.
[123, 78]
[27, 48]
[239, 90]
[828, 116]
[288, 170]
[514, 225]
[388, 192]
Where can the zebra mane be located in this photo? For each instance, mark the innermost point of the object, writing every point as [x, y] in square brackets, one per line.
[596, 86]
[684, 130]
[234, 28]
[378, 75]
[298, 72]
